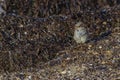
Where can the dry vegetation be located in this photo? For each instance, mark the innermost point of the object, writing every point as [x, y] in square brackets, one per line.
[36, 40]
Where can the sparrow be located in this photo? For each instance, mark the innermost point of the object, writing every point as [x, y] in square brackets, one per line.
[80, 33]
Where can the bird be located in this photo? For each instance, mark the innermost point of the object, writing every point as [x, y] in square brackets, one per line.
[80, 33]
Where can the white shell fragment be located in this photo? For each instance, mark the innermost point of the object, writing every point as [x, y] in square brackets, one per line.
[80, 33]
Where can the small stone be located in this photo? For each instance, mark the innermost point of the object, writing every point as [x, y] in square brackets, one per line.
[103, 62]
[95, 53]
[110, 69]
[83, 67]
[89, 46]
[21, 25]
[25, 32]
[64, 72]
[109, 52]
[104, 23]
[100, 47]
[30, 77]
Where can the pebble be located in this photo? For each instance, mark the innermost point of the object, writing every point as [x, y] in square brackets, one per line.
[89, 46]
[100, 47]
[21, 25]
[104, 23]
[25, 32]
[109, 52]
[103, 62]
[64, 72]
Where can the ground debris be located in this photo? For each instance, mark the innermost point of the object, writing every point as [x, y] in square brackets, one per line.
[40, 45]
